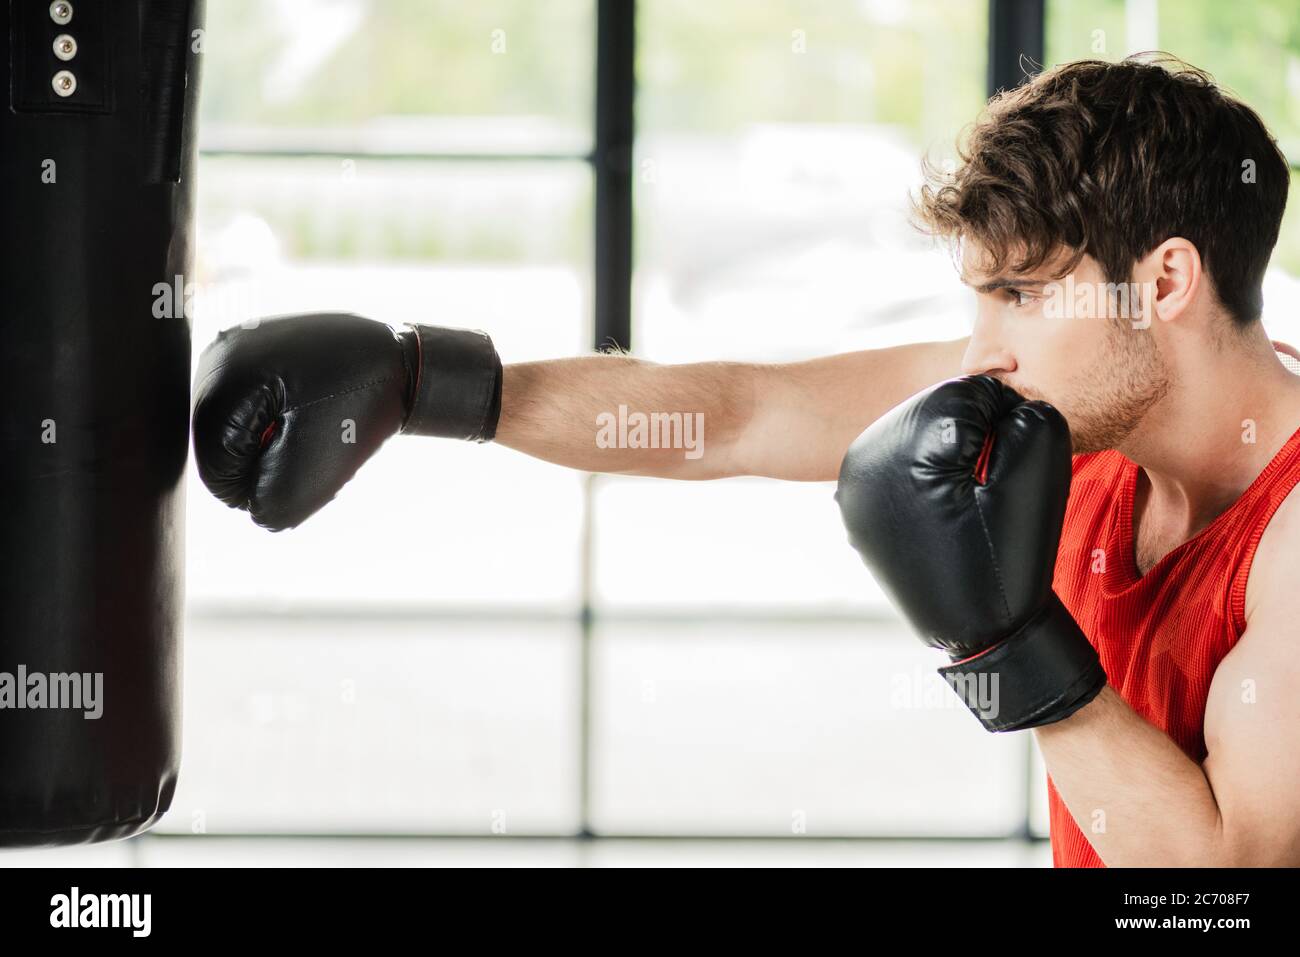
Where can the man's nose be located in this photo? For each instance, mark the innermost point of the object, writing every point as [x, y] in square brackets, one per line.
[987, 351]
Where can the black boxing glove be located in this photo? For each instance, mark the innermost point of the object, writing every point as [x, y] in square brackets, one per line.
[287, 409]
[955, 500]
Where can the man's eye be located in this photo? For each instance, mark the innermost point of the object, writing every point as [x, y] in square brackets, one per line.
[1019, 297]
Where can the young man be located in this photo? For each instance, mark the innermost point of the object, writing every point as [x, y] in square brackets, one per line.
[1114, 221]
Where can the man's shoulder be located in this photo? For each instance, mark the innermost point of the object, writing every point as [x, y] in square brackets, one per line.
[1271, 577]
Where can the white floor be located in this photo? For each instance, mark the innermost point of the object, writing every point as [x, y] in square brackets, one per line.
[159, 851]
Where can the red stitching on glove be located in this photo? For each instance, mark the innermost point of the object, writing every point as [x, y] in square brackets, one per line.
[982, 465]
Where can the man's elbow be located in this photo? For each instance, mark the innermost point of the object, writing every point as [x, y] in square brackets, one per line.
[1255, 844]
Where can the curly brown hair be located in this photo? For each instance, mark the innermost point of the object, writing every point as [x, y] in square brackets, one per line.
[1109, 160]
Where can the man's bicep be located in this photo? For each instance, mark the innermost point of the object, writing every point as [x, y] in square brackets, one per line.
[1252, 735]
[808, 413]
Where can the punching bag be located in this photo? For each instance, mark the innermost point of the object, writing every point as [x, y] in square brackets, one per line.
[97, 160]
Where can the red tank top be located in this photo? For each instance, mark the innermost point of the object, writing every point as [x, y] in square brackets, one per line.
[1162, 635]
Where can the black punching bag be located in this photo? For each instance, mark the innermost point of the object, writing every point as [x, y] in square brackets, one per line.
[97, 180]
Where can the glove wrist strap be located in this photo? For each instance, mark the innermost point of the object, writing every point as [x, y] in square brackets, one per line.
[1043, 673]
[456, 379]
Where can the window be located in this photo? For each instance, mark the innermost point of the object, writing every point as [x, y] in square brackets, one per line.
[414, 658]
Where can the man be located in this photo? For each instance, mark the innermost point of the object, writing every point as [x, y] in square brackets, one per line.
[1114, 221]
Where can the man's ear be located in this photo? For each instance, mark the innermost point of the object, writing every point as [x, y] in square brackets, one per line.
[1172, 271]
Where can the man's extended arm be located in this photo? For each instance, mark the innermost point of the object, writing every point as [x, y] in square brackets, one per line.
[787, 421]
[287, 409]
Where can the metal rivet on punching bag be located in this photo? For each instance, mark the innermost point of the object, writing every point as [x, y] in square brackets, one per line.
[64, 83]
[65, 47]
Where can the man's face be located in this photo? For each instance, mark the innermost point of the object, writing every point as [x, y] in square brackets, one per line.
[1098, 364]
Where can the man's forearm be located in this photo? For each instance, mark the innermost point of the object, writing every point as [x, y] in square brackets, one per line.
[789, 421]
[618, 414]
[1135, 795]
